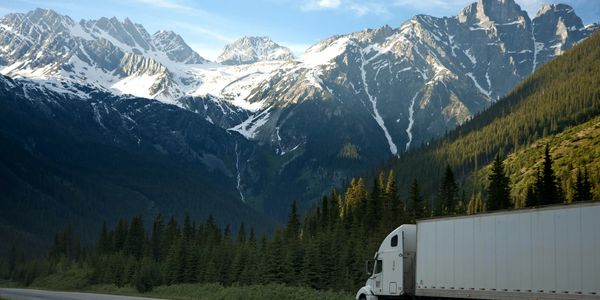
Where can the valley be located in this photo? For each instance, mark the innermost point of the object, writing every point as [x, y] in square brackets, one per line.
[127, 152]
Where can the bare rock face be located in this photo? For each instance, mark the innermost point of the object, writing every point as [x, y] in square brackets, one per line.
[247, 50]
[557, 28]
[175, 48]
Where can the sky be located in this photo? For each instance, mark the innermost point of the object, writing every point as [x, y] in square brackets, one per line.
[208, 25]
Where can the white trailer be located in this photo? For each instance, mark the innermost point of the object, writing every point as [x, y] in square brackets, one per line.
[540, 253]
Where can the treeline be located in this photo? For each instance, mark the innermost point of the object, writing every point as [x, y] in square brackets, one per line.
[326, 249]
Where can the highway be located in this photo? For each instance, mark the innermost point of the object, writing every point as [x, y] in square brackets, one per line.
[28, 294]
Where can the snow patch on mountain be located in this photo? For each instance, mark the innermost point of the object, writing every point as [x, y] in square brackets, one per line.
[239, 174]
[250, 127]
[323, 53]
[411, 120]
[373, 100]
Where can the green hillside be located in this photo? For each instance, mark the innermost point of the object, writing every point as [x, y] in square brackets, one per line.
[572, 150]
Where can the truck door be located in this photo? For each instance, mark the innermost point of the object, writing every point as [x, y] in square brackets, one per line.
[377, 278]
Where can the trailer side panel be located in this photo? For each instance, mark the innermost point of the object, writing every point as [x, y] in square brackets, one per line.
[548, 253]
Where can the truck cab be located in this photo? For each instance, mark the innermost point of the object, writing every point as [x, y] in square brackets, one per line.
[392, 269]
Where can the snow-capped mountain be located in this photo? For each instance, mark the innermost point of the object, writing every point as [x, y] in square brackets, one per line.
[247, 50]
[122, 57]
[425, 77]
[346, 104]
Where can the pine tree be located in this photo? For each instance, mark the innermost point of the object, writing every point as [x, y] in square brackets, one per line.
[311, 271]
[393, 208]
[134, 244]
[274, 260]
[548, 192]
[294, 253]
[105, 240]
[120, 236]
[171, 235]
[335, 204]
[292, 230]
[192, 261]
[175, 272]
[418, 206]
[498, 188]
[583, 187]
[586, 193]
[531, 198]
[356, 195]
[374, 201]
[224, 257]
[147, 275]
[241, 255]
[249, 273]
[448, 194]
[324, 221]
[189, 228]
[156, 241]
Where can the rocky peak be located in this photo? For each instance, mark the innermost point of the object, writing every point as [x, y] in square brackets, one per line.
[248, 50]
[375, 35]
[488, 13]
[175, 47]
[558, 27]
[45, 19]
[556, 14]
[40, 14]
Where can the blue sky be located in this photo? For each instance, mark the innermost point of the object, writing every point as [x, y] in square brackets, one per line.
[207, 25]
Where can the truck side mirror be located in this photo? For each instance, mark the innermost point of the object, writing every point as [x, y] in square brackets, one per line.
[369, 267]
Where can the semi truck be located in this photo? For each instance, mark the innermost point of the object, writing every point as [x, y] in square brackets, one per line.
[536, 253]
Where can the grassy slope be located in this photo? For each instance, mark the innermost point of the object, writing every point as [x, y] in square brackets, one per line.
[574, 148]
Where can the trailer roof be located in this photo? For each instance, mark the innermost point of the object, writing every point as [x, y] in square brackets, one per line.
[514, 210]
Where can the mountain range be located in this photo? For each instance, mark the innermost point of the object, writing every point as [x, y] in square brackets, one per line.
[255, 129]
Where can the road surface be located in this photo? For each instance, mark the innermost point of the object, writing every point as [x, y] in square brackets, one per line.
[27, 294]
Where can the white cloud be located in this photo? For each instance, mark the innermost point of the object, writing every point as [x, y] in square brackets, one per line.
[357, 7]
[321, 4]
[170, 4]
[369, 8]
[329, 3]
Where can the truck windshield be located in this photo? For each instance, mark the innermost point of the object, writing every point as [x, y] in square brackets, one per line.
[378, 266]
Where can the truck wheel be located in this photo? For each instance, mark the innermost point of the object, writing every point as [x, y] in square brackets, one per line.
[362, 297]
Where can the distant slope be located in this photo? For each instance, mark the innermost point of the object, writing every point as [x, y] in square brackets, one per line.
[69, 160]
[560, 94]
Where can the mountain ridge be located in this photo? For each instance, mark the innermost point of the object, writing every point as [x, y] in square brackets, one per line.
[349, 102]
